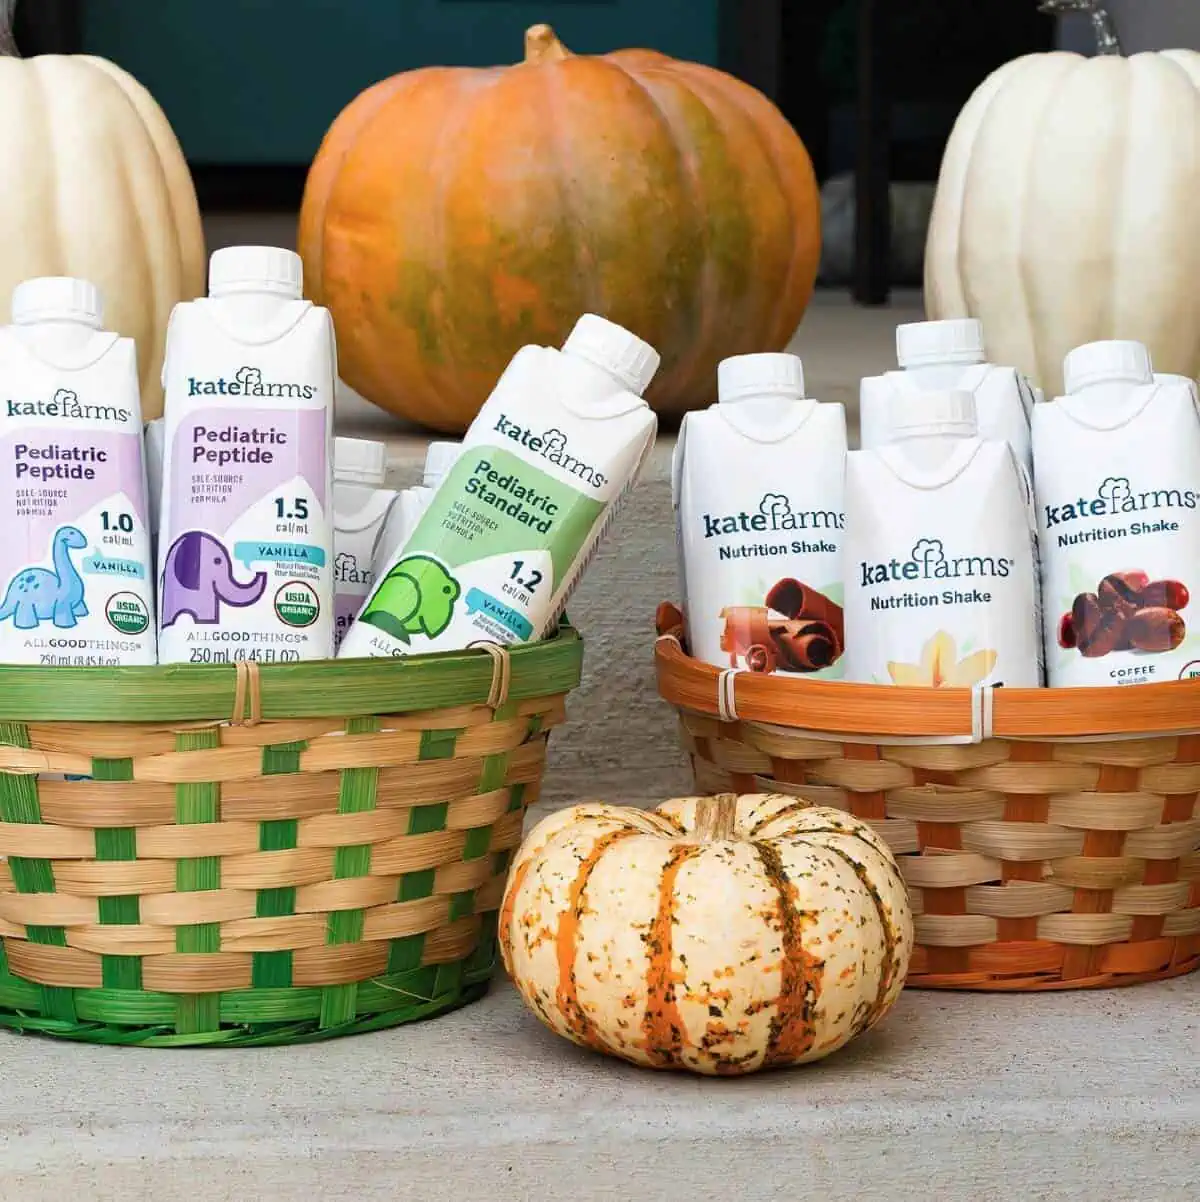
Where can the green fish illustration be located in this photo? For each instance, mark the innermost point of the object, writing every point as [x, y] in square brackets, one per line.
[416, 597]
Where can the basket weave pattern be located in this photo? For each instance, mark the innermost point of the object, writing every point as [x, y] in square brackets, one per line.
[261, 882]
[1032, 863]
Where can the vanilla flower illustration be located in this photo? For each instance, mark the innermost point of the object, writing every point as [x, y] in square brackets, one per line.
[940, 667]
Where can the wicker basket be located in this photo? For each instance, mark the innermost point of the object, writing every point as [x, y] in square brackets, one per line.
[1050, 838]
[328, 861]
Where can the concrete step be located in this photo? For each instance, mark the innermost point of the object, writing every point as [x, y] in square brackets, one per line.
[1068, 1096]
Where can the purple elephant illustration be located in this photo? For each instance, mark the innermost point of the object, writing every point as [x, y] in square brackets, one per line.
[198, 577]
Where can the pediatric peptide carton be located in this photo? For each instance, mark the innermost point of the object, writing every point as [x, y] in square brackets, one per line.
[76, 582]
[246, 543]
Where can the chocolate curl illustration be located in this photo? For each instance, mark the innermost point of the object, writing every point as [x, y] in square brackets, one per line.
[795, 600]
[806, 646]
[746, 626]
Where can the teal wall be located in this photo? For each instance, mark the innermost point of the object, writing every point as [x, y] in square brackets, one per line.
[259, 81]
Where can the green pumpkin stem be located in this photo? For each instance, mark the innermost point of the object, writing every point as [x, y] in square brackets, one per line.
[1103, 26]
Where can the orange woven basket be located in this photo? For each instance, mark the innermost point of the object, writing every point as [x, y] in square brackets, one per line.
[1050, 838]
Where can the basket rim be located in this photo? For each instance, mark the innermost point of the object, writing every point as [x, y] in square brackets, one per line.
[843, 708]
[331, 688]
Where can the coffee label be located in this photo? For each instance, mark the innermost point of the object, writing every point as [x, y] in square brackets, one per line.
[1119, 520]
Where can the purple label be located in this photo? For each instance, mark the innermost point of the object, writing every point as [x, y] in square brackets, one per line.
[345, 610]
[225, 460]
[53, 479]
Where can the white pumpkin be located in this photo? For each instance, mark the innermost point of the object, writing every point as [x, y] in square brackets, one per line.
[93, 184]
[719, 935]
[1066, 210]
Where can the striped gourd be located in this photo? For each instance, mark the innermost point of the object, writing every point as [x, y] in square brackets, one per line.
[720, 935]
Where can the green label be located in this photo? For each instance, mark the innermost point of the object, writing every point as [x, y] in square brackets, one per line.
[498, 542]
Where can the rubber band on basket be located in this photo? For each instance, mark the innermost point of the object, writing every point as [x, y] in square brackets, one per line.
[248, 688]
[501, 672]
[726, 698]
[982, 706]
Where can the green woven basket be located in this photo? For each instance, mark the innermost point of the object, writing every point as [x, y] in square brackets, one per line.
[237, 855]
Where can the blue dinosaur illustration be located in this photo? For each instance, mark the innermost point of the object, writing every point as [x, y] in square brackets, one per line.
[37, 595]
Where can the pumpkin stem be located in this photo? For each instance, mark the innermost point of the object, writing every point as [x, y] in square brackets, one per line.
[542, 46]
[1103, 25]
[716, 818]
[8, 44]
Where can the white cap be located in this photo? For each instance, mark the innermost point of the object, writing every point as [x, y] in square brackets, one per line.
[921, 414]
[743, 376]
[922, 343]
[57, 298]
[439, 459]
[615, 350]
[359, 461]
[255, 269]
[1114, 362]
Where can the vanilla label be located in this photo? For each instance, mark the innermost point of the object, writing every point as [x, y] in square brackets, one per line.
[941, 584]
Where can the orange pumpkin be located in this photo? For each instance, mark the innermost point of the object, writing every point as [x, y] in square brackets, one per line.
[453, 215]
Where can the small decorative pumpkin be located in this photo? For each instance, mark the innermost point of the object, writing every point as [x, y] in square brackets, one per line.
[453, 215]
[720, 935]
[93, 184]
[1065, 209]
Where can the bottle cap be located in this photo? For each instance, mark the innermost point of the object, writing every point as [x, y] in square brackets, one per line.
[615, 350]
[439, 459]
[922, 414]
[1113, 362]
[922, 343]
[255, 269]
[359, 461]
[743, 376]
[57, 298]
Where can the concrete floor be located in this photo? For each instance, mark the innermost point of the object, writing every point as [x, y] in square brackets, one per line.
[953, 1098]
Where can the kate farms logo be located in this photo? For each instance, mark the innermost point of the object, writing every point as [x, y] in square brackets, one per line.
[929, 561]
[66, 404]
[249, 382]
[1116, 496]
[774, 515]
[551, 445]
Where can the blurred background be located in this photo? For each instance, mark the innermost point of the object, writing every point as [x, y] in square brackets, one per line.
[872, 86]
